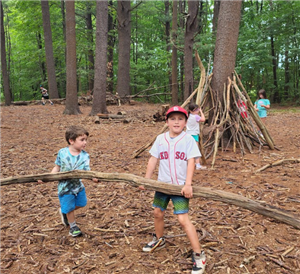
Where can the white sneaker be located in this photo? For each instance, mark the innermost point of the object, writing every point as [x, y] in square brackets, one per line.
[155, 244]
[199, 262]
[198, 167]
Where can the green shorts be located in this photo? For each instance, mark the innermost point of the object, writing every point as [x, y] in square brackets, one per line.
[180, 203]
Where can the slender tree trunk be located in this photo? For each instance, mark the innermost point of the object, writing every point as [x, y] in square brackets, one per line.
[52, 84]
[71, 95]
[274, 69]
[41, 60]
[7, 92]
[89, 26]
[111, 45]
[124, 34]
[174, 55]
[217, 4]
[286, 72]
[191, 29]
[99, 100]
[167, 31]
[182, 5]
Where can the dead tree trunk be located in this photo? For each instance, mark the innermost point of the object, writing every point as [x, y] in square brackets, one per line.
[216, 195]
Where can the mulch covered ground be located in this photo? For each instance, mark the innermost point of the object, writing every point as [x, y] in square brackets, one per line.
[118, 220]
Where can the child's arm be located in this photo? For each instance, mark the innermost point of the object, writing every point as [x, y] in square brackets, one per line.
[55, 169]
[265, 106]
[150, 169]
[201, 115]
[187, 190]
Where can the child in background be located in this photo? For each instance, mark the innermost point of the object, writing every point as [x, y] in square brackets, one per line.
[176, 151]
[262, 104]
[45, 95]
[192, 127]
[71, 193]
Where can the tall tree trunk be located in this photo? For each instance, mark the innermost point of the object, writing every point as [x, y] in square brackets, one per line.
[274, 69]
[124, 29]
[286, 72]
[52, 84]
[71, 95]
[226, 44]
[182, 5]
[41, 60]
[89, 26]
[191, 29]
[167, 33]
[174, 55]
[99, 100]
[111, 45]
[7, 92]
[217, 4]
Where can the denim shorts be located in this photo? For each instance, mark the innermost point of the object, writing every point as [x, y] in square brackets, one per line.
[68, 202]
[180, 203]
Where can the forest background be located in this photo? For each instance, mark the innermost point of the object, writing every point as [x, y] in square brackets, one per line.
[268, 53]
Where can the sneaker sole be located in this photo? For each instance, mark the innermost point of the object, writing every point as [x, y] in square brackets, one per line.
[156, 247]
[76, 235]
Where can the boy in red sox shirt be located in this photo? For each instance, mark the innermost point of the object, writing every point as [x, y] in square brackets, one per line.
[176, 152]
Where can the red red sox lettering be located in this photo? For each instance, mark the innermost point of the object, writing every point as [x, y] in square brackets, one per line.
[178, 155]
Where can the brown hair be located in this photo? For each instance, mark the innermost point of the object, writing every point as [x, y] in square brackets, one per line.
[263, 92]
[75, 131]
[193, 107]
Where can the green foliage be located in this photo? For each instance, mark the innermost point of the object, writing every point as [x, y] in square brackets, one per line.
[150, 60]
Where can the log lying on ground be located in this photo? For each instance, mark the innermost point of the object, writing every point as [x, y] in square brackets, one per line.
[277, 163]
[216, 195]
[110, 116]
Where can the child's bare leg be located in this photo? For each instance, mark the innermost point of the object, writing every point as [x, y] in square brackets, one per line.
[159, 222]
[190, 231]
[71, 215]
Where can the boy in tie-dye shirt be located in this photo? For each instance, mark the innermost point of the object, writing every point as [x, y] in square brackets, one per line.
[71, 192]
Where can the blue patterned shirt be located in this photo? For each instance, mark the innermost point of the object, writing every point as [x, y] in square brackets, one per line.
[68, 162]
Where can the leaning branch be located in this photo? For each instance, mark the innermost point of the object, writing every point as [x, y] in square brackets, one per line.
[216, 195]
[277, 163]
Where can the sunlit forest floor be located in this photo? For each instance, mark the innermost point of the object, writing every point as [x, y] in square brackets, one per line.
[118, 221]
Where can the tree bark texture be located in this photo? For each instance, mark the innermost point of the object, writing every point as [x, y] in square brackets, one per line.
[174, 55]
[71, 94]
[226, 44]
[110, 45]
[89, 26]
[52, 84]
[7, 92]
[124, 34]
[167, 37]
[99, 100]
[276, 97]
[217, 4]
[190, 30]
[204, 192]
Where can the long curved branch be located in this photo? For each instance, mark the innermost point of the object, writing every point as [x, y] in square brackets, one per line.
[209, 193]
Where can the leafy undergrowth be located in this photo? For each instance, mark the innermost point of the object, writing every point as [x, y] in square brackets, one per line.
[118, 219]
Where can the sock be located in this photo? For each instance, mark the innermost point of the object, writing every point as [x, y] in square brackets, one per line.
[72, 224]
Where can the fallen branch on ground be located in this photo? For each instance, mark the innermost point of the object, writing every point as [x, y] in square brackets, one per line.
[277, 163]
[216, 195]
